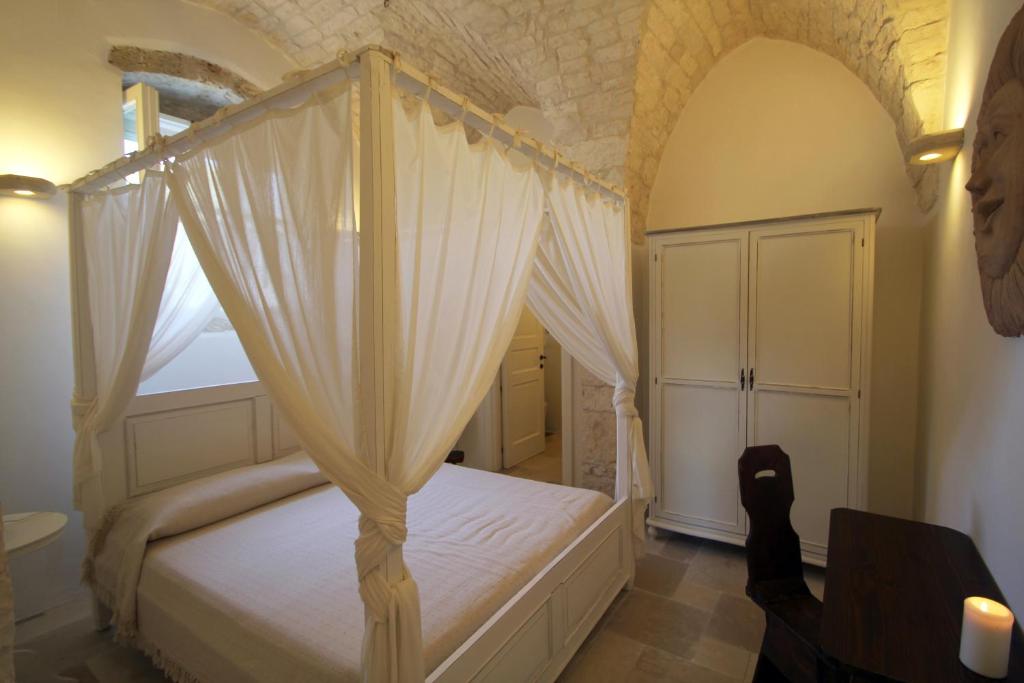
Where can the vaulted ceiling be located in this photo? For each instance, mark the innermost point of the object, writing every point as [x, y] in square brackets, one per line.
[614, 75]
[896, 47]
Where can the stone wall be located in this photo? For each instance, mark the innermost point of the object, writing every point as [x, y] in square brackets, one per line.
[594, 431]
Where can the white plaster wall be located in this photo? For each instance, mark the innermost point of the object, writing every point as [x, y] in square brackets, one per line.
[481, 439]
[778, 129]
[971, 460]
[61, 113]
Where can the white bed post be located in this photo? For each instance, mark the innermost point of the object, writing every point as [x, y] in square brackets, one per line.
[81, 318]
[624, 489]
[81, 340]
[622, 439]
[378, 302]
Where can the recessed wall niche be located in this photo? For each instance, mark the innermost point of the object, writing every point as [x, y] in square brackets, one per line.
[190, 88]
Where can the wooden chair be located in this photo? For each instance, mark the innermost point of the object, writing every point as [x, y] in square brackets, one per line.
[775, 574]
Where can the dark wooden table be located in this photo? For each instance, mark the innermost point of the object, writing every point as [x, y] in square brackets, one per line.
[894, 594]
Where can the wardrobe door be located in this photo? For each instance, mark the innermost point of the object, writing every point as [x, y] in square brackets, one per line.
[805, 332]
[701, 290]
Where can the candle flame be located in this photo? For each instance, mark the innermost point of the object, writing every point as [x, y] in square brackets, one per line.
[990, 607]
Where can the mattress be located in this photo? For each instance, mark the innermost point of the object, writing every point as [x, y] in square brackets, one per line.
[271, 595]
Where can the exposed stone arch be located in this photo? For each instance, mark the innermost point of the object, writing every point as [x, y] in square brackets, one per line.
[896, 47]
[190, 87]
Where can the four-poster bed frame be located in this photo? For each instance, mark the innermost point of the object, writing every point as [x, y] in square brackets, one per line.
[533, 636]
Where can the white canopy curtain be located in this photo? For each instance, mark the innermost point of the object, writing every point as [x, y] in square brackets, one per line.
[270, 212]
[128, 235]
[187, 306]
[581, 291]
[468, 223]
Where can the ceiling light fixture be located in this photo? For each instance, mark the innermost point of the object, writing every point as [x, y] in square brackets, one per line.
[26, 186]
[936, 148]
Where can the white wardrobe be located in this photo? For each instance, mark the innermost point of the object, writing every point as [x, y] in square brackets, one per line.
[760, 334]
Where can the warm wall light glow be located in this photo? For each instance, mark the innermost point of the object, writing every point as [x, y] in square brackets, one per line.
[936, 148]
[26, 186]
[965, 72]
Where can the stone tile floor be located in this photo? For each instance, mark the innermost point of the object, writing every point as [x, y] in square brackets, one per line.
[686, 620]
[546, 466]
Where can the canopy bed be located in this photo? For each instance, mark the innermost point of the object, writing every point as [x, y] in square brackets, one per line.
[374, 279]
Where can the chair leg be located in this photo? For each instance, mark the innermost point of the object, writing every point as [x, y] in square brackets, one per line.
[766, 672]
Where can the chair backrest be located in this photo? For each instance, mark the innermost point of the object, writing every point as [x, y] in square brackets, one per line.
[774, 567]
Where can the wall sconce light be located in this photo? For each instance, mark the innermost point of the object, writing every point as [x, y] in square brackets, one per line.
[26, 186]
[936, 148]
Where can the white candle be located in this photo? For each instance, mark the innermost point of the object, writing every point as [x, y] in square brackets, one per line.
[985, 637]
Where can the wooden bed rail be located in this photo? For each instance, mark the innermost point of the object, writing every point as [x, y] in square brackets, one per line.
[534, 635]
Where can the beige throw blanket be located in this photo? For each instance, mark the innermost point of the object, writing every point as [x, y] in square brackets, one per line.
[116, 551]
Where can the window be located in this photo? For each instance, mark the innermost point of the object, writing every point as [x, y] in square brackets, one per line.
[216, 356]
[141, 104]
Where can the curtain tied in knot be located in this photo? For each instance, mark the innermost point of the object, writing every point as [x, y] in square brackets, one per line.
[641, 488]
[84, 413]
[381, 530]
[82, 410]
[624, 398]
[393, 650]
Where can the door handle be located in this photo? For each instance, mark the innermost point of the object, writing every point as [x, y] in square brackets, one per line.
[743, 379]
[751, 378]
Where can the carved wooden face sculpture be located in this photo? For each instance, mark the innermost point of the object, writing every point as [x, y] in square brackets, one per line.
[997, 185]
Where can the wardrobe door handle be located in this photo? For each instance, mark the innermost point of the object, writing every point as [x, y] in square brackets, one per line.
[743, 379]
[751, 378]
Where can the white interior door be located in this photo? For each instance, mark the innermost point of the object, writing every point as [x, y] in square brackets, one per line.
[701, 349]
[805, 363]
[522, 393]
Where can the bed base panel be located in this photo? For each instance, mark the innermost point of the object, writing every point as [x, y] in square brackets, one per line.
[535, 634]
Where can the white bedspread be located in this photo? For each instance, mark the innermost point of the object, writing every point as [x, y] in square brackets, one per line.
[271, 595]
